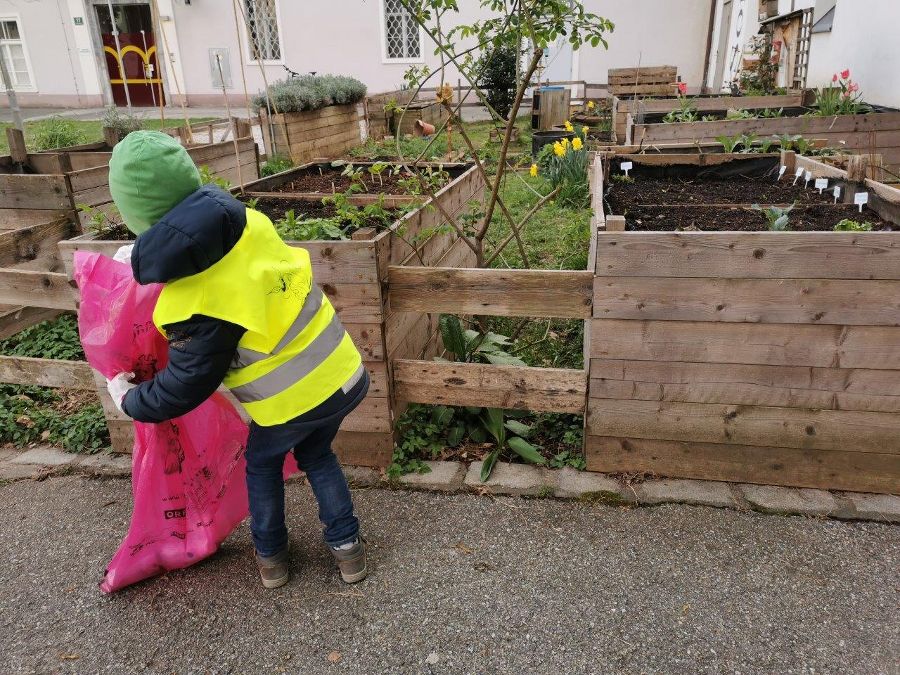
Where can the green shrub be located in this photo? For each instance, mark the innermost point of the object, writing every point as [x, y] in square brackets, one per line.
[276, 164]
[498, 78]
[56, 132]
[57, 339]
[122, 123]
[311, 92]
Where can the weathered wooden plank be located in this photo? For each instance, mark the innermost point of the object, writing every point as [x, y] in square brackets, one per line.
[34, 241]
[845, 430]
[517, 387]
[373, 414]
[526, 293]
[15, 319]
[46, 372]
[36, 289]
[33, 191]
[753, 255]
[709, 103]
[15, 219]
[817, 301]
[874, 347]
[354, 448]
[662, 89]
[746, 384]
[828, 470]
[358, 303]
[641, 72]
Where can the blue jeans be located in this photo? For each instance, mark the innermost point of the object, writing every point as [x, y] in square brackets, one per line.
[309, 436]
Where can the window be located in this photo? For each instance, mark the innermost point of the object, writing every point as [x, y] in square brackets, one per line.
[401, 33]
[12, 50]
[262, 25]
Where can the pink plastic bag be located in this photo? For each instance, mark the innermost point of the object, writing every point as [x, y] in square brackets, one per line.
[187, 474]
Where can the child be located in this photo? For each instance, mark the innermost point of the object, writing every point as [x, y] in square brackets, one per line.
[240, 307]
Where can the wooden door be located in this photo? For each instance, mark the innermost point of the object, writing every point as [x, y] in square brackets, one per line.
[139, 54]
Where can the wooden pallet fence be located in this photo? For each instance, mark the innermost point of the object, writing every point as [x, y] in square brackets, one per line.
[644, 81]
[877, 132]
[493, 292]
[640, 107]
[761, 357]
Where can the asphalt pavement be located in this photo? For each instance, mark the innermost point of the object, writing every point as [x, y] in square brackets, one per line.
[459, 584]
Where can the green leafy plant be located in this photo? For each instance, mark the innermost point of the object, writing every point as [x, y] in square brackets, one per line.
[275, 164]
[103, 223]
[686, 111]
[622, 178]
[787, 141]
[848, 225]
[708, 118]
[56, 339]
[765, 145]
[56, 132]
[471, 346]
[776, 217]
[771, 113]
[310, 92]
[729, 143]
[292, 228]
[747, 141]
[735, 114]
[208, 177]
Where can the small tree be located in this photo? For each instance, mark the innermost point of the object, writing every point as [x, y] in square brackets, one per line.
[498, 78]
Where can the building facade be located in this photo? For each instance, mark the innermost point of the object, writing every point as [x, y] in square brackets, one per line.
[64, 52]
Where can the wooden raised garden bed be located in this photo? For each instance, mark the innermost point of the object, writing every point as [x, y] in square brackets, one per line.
[756, 356]
[303, 136]
[351, 273]
[877, 132]
[639, 108]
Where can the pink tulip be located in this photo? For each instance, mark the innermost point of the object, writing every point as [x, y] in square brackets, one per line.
[854, 87]
[845, 74]
[682, 88]
[834, 78]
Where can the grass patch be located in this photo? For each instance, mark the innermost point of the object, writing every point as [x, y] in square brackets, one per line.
[68, 418]
[90, 131]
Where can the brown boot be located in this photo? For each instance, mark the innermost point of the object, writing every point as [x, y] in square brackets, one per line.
[274, 570]
[352, 562]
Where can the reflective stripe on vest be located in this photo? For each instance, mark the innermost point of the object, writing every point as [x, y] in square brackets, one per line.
[283, 366]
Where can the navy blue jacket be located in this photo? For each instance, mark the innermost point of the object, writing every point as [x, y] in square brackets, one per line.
[193, 236]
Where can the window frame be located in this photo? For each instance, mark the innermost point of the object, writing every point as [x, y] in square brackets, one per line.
[248, 51]
[382, 15]
[23, 41]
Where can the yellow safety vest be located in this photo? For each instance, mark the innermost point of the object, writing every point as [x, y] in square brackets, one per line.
[295, 353]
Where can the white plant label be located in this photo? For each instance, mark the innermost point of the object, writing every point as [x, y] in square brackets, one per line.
[797, 174]
[806, 178]
[626, 167]
[837, 193]
[821, 184]
[860, 199]
[781, 172]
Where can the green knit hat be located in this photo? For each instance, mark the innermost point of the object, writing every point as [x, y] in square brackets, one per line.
[149, 174]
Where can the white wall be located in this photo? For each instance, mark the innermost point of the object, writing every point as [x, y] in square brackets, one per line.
[649, 32]
[52, 47]
[864, 39]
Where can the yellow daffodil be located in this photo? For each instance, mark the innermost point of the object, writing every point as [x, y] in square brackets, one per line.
[576, 143]
[569, 126]
[558, 149]
[590, 105]
[565, 142]
[584, 130]
[533, 170]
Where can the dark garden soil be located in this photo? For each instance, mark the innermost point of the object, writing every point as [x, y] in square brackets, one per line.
[117, 232]
[732, 190]
[821, 217]
[328, 180]
[275, 208]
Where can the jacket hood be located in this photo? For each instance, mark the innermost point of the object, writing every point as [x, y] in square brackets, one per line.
[149, 173]
[190, 238]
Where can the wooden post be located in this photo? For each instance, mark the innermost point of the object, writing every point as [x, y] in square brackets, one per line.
[789, 159]
[17, 149]
[857, 166]
[615, 223]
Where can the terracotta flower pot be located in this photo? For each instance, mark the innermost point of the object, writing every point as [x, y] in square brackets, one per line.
[424, 128]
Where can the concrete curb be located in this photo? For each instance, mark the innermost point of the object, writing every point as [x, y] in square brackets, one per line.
[523, 480]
